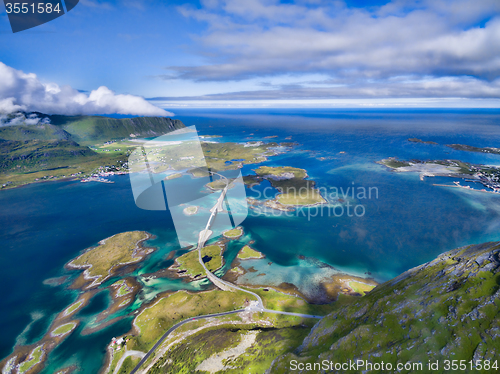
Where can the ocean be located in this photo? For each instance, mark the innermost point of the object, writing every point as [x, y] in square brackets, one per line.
[407, 221]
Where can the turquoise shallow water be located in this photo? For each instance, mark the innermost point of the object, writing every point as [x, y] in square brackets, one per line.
[411, 221]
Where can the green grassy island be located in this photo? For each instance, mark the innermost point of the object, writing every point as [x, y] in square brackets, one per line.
[34, 358]
[111, 253]
[189, 265]
[222, 156]
[122, 288]
[64, 329]
[248, 252]
[234, 233]
[294, 188]
[73, 307]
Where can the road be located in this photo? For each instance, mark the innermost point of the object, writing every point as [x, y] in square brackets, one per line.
[150, 352]
[256, 306]
[205, 235]
[127, 354]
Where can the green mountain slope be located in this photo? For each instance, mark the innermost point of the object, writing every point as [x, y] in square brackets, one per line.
[87, 130]
[59, 149]
[447, 309]
[31, 155]
[33, 132]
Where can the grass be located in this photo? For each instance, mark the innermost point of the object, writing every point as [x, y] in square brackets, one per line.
[34, 358]
[216, 154]
[394, 164]
[269, 344]
[276, 300]
[281, 171]
[128, 365]
[306, 196]
[29, 132]
[234, 233]
[73, 307]
[155, 320]
[442, 311]
[33, 154]
[248, 252]
[118, 249]
[24, 162]
[361, 288]
[95, 129]
[294, 188]
[123, 288]
[190, 262]
[63, 329]
[60, 149]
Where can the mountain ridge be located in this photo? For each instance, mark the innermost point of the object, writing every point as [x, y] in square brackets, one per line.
[36, 147]
[86, 130]
[442, 310]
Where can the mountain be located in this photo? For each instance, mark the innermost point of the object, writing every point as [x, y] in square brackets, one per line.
[23, 132]
[447, 309]
[36, 146]
[42, 154]
[87, 130]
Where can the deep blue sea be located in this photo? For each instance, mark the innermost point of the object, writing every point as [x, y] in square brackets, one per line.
[410, 221]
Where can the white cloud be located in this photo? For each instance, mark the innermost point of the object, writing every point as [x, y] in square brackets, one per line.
[24, 91]
[368, 47]
[8, 106]
[21, 118]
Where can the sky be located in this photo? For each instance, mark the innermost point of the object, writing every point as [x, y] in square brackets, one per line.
[128, 55]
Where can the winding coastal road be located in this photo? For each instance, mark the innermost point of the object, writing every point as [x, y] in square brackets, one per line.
[257, 306]
[150, 352]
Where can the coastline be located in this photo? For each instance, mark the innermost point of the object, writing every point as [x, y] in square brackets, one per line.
[96, 281]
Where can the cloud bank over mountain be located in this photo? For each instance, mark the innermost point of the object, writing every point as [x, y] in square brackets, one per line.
[21, 91]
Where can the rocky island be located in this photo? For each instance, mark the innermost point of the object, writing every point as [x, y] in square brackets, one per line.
[112, 253]
[188, 265]
[416, 140]
[294, 188]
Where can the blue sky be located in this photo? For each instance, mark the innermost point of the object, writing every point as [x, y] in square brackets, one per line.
[267, 52]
